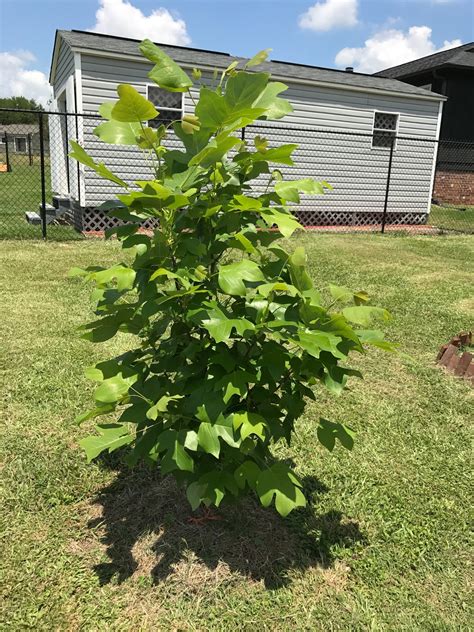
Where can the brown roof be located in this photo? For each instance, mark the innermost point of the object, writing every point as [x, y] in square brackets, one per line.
[19, 129]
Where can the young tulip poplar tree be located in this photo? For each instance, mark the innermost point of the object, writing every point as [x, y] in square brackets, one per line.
[230, 338]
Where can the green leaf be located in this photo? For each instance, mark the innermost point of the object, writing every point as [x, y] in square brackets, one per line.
[124, 277]
[249, 424]
[274, 107]
[113, 389]
[132, 107]
[93, 373]
[361, 297]
[247, 474]
[95, 412]
[117, 133]
[235, 383]
[232, 66]
[74, 272]
[209, 439]
[329, 431]
[244, 88]
[266, 288]
[79, 154]
[375, 338]
[246, 203]
[191, 441]
[194, 494]
[289, 190]
[278, 482]
[225, 430]
[364, 314]
[281, 155]
[161, 405]
[210, 489]
[215, 151]
[212, 109]
[232, 276]
[111, 437]
[175, 457]
[298, 274]
[286, 222]
[181, 458]
[105, 109]
[167, 74]
[260, 144]
[244, 243]
[340, 293]
[259, 58]
[313, 342]
[220, 327]
[147, 138]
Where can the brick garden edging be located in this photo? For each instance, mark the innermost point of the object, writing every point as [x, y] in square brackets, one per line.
[461, 364]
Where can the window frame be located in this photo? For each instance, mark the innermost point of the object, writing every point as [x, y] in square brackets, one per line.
[377, 129]
[16, 140]
[163, 108]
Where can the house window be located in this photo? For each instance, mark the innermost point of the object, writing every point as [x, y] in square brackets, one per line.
[168, 104]
[20, 145]
[385, 129]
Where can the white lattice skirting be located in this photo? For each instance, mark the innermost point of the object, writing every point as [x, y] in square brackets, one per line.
[93, 220]
[342, 218]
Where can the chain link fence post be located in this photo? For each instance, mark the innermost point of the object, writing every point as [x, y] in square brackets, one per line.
[7, 154]
[387, 186]
[43, 177]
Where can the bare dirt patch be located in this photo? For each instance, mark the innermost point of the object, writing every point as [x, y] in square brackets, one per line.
[142, 524]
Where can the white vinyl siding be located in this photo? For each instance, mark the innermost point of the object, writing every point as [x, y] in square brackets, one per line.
[64, 68]
[64, 171]
[348, 162]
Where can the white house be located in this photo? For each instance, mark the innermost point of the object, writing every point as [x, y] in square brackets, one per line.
[342, 121]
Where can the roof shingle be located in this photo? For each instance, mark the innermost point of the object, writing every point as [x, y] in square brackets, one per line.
[199, 57]
[459, 56]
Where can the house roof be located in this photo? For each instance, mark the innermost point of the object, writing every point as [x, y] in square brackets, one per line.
[19, 129]
[461, 57]
[83, 40]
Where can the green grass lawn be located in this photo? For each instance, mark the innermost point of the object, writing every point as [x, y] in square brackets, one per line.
[20, 191]
[384, 544]
[458, 218]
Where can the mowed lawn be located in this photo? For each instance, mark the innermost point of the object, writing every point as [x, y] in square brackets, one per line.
[384, 544]
[452, 218]
[20, 192]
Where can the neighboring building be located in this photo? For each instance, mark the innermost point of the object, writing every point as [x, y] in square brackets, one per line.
[451, 73]
[22, 138]
[342, 122]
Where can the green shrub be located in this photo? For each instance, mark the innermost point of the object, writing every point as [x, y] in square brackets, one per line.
[232, 337]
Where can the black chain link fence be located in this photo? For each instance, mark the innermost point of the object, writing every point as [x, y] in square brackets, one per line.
[381, 181]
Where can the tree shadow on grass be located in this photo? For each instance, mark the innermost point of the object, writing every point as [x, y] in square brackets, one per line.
[246, 539]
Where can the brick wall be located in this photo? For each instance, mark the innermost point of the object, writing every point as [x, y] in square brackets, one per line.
[454, 187]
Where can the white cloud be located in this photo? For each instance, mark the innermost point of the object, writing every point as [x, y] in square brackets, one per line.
[119, 17]
[17, 80]
[391, 47]
[330, 14]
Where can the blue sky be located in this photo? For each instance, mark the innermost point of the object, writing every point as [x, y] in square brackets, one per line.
[368, 34]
